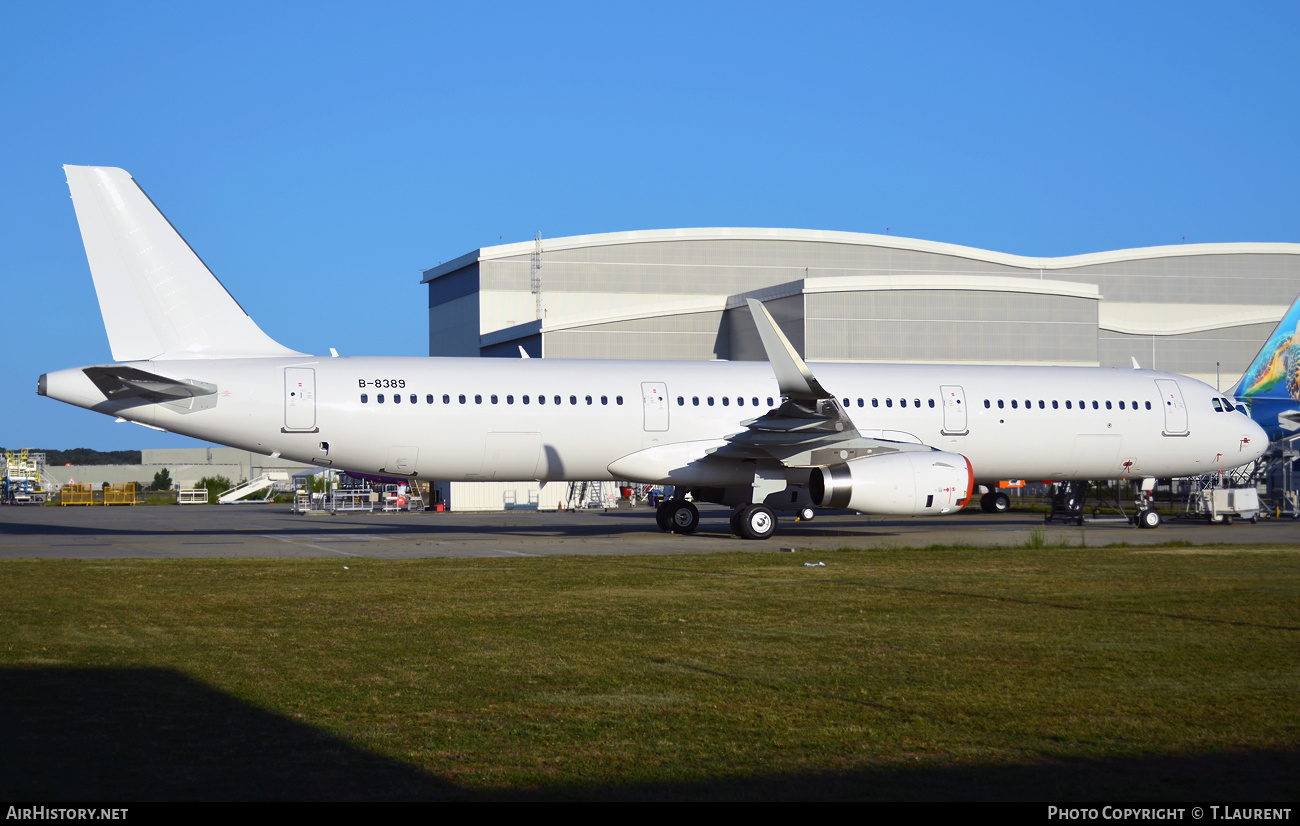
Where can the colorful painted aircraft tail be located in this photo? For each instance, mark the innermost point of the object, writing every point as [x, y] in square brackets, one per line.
[1270, 387]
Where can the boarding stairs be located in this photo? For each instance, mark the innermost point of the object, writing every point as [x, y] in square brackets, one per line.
[264, 484]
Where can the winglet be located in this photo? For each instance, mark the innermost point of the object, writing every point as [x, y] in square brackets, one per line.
[792, 374]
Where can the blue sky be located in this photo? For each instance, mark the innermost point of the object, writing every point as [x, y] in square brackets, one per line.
[319, 155]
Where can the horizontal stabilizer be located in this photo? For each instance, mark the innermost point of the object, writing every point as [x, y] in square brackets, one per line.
[118, 382]
[158, 298]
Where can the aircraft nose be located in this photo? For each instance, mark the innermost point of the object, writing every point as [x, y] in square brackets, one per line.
[1252, 442]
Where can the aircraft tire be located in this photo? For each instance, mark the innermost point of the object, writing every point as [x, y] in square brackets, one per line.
[1001, 503]
[1149, 518]
[807, 514]
[735, 519]
[757, 522]
[663, 516]
[683, 517]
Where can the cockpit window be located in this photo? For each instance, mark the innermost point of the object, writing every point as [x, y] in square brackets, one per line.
[1218, 408]
[1228, 406]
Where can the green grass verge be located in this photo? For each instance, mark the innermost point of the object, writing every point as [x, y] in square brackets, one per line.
[1033, 672]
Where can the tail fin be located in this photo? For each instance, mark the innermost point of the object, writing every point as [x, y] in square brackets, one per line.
[1275, 372]
[159, 300]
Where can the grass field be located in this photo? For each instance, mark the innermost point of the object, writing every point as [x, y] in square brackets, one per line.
[1026, 673]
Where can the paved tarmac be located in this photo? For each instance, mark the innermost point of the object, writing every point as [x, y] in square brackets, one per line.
[271, 531]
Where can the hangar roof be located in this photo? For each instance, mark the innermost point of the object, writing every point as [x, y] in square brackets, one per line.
[855, 238]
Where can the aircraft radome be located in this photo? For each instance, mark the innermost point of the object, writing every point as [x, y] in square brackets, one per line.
[761, 437]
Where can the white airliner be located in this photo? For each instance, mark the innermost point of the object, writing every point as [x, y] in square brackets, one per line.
[761, 437]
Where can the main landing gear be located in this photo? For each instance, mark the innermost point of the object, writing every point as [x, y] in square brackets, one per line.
[747, 521]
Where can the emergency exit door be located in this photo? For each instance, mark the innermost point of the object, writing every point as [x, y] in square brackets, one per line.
[299, 400]
[654, 400]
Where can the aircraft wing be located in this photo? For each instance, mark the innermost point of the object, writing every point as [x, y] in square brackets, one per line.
[810, 427]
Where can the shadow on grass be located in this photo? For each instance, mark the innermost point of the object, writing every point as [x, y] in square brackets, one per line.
[147, 734]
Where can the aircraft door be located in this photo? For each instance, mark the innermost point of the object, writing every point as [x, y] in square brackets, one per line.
[1175, 410]
[654, 399]
[299, 400]
[954, 410]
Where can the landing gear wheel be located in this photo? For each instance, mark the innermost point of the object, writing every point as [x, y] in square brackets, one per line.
[807, 514]
[756, 522]
[995, 503]
[683, 517]
[735, 519]
[664, 516]
[1149, 518]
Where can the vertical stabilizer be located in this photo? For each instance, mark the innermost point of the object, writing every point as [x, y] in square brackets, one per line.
[158, 299]
[1275, 372]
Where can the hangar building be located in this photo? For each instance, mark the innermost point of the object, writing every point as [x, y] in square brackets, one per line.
[844, 296]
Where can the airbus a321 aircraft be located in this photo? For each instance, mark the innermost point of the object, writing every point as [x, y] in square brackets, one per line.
[760, 437]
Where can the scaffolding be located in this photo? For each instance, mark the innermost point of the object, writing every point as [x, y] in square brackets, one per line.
[24, 480]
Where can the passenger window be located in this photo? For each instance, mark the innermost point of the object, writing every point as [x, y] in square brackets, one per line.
[365, 399]
[604, 399]
[916, 402]
[525, 400]
[710, 400]
[428, 399]
[462, 398]
[397, 398]
[557, 400]
[1000, 405]
[1148, 405]
[541, 399]
[510, 399]
[380, 398]
[1014, 404]
[446, 399]
[1094, 404]
[932, 402]
[413, 398]
[769, 401]
[756, 401]
[875, 402]
[573, 400]
[494, 398]
[846, 402]
[860, 404]
[1135, 405]
[681, 402]
[695, 400]
[986, 404]
[1108, 407]
[725, 401]
[618, 399]
[740, 401]
[589, 400]
[902, 402]
[1028, 404]
[1121, 404]
[478, 398]
[1056, 405]
[1042, 405]
[1067, 405]
[889, 402]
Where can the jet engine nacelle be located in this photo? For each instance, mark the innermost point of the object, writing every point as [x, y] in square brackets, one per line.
[909, 483]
